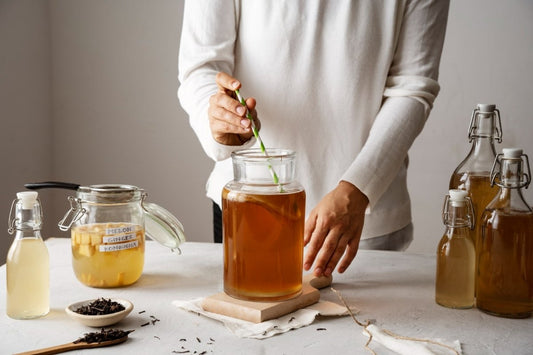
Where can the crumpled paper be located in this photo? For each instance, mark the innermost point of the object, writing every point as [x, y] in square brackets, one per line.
[245, 329]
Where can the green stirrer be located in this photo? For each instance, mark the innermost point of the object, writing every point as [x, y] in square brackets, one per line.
[261, 145]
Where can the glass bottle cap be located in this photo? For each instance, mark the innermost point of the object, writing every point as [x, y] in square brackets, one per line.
[458, 195]
[512, 153]
[27, 198]
[486, 107]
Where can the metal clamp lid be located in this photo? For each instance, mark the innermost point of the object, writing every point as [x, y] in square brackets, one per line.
[481, 111]
[512, 154]
[75, 212]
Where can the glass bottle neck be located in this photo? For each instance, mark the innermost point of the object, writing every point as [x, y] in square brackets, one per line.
[483, 150]
[510, 195]
[27, 222]
[483, 131]
[28, 234]
[457, 216]
[511, 174]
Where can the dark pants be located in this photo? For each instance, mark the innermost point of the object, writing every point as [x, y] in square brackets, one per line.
[217, 224]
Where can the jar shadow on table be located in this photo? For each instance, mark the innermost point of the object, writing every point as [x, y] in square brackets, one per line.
[169, 281]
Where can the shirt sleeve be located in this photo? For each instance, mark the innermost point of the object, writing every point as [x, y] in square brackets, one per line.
[410, 90]
[206, 47]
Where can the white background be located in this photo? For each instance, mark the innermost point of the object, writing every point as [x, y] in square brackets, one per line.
[88, 95]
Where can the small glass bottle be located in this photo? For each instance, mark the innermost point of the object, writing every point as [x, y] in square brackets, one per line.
[505, 250]
[473, 173]
[455, 277]
[27, 266]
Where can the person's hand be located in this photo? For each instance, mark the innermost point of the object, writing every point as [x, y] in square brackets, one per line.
[333, 229]
[227, 116]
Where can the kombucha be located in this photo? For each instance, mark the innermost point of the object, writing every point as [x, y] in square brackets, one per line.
[455, 271]
[263, 244]
[107, 254]
[505, 264]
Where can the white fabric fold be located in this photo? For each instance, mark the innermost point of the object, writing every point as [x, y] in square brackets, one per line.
[244, 329]
[405, 346]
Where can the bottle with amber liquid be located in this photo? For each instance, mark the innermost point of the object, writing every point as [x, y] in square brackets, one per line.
[505, 249]
[473, 173]
[455, 277]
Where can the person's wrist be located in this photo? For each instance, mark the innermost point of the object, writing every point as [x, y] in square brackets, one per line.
[354, 193]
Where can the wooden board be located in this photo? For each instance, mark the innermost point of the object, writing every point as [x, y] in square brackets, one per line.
[258, 312]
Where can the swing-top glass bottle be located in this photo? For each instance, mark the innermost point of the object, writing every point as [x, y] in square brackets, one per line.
[27, 265]
[455, 276]
[473, 173]
[505, 249]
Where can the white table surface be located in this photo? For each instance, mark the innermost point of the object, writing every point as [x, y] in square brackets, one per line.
[396, 289]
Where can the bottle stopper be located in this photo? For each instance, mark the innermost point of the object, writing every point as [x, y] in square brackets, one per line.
[457, 196]
[512, 153]
[486, 108]
[27, 199]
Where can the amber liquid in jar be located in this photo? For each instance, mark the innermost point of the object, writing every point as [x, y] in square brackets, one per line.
[505, 265]
[479, 191]
[263, 244]
[108, 254]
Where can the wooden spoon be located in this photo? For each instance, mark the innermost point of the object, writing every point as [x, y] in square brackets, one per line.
[74, 346]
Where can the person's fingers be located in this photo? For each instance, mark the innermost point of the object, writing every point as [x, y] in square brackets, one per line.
[251, 104]
[342, 243]
[223, 108]
[329, 246]
[314, 245]
[310, 225]
[227, 82]
[349, 254]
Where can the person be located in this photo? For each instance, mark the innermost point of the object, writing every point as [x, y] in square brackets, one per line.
[347, 84]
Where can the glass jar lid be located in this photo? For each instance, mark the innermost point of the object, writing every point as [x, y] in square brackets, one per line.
[110, 193]
[163, 227]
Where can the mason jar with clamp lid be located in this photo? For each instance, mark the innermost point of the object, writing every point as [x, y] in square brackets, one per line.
[108, 225]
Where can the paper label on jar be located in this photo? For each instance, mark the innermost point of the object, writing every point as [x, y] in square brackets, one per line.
[120, 230]
[119, 238]
[120, 246]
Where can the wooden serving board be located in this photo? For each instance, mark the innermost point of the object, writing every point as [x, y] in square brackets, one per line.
[258, 312]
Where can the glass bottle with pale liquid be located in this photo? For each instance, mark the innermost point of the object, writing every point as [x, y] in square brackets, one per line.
[263, 225]
[27, 265]
[456, 256]
[505, 249]
[473, 173]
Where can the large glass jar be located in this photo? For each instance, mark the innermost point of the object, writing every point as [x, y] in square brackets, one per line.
[108, 233]
[263, 211]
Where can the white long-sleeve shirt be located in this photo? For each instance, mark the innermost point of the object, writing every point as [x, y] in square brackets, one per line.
[347, 84]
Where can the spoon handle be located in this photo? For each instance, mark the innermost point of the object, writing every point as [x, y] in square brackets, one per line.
[73, 346]
[56, 349]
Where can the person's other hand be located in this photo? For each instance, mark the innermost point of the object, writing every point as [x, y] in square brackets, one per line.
[227, 116]
[333, 229]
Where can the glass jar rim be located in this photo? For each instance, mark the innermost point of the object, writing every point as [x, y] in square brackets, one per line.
[110, 193]
[256, 154]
